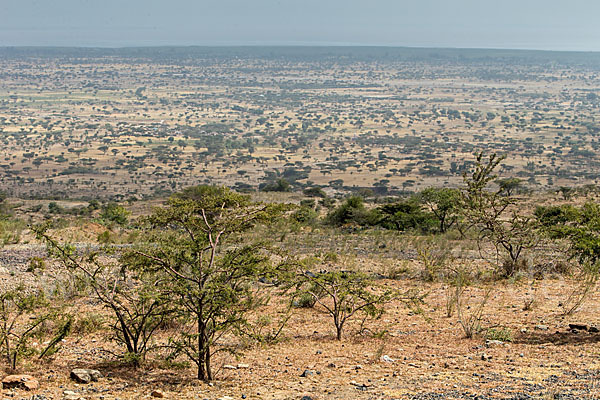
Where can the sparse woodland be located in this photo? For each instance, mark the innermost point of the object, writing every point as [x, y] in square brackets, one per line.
[252, 247]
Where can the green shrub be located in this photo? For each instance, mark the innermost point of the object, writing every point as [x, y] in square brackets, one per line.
[305, 215]
[113, 212]
[88, 323]
[353, 210]
[503, 334]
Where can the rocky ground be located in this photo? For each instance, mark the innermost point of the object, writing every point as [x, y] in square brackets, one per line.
[544, 354]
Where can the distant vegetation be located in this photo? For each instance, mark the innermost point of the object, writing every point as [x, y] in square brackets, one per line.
[140, 123]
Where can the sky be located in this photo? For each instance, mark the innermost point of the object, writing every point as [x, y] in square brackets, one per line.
[514, 24]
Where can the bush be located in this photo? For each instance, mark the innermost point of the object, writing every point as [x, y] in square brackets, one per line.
[10, 230]
[354, 211]
[503, 334]
[305, 215]
[314, 192]
[343, 295]
[406, 215]
[495, 217]
[113, 212]
[280, 185]
[88, 323]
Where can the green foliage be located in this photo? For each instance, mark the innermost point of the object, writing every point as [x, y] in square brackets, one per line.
[495, 217]
[36, 264]
[114, 213]
[580, 227]
[353, 211]
[54, 208]
[343, 294]
[567, 192]
[406, 215]
[504, 334]
[327, 202]
[88, 323]
[23, 316]
[314, 192]
[211, 275]
[10, 230]
[509, 186]
[444, 204]
[280, 185]
[105, 237]
[131, 294]
[10, 227]
[65, 323]
[305, 215]
[435, 255]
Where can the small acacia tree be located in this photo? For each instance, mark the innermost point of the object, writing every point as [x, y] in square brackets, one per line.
[198, 240]
[444, 204]
[24, 314]
[509, 185]
[495, 216]
[345, 294]
[580, 227]
[131, 293]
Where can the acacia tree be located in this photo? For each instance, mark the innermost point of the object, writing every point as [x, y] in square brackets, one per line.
[495, 216]
[198, 241]
[131, 293]
[444, 204]
[509, 185]
[24, 314]
[343, 294]
[580, 227]
[346, 294]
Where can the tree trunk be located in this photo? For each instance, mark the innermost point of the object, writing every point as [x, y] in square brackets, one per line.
[201, 360]
[339, 328]
[207, 364]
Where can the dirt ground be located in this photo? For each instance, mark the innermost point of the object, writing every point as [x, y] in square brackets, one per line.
[403, 355]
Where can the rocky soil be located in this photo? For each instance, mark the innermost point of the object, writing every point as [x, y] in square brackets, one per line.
[412, 355]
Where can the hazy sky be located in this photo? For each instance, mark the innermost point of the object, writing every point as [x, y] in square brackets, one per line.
[531, 24]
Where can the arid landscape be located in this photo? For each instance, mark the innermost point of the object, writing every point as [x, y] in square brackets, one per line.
[299, 223]
[144, 122]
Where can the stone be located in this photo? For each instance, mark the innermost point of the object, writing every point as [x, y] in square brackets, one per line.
[306, 373]
[388, 359]
[578, 327]
[26, 382]
[71, 395]
[360, 386]
[84, 375]
[489, 343]
[158, 394]
[541, 327]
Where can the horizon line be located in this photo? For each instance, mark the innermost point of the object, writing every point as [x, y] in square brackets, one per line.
[289, 45]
